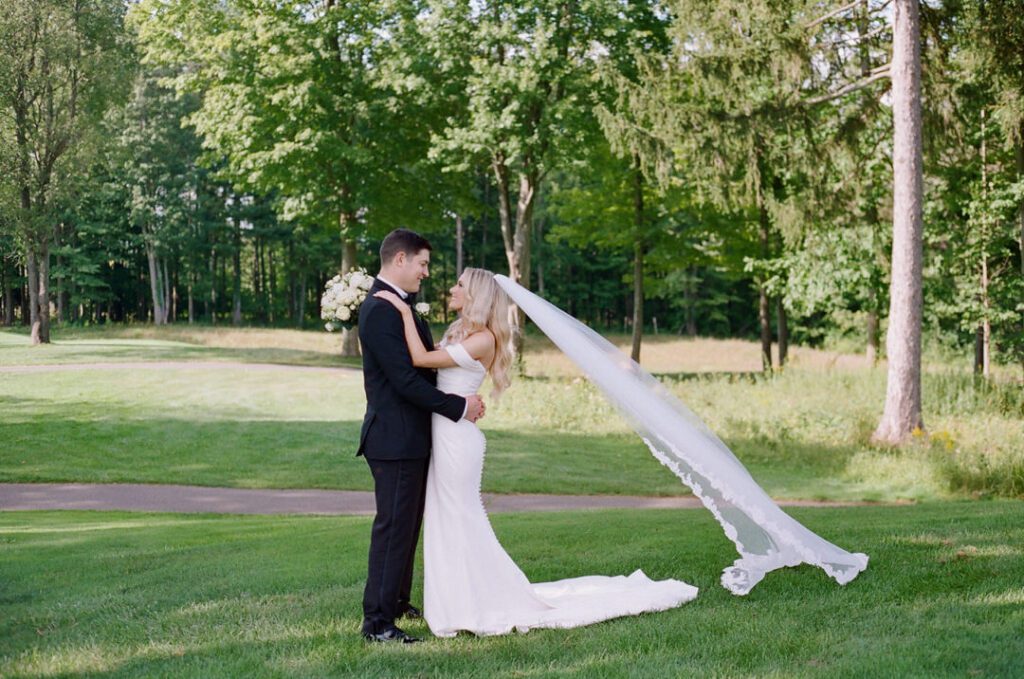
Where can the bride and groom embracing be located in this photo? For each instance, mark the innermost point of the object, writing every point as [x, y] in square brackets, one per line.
[426, 455]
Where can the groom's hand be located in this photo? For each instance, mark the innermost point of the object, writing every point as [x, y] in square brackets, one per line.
[474, 407]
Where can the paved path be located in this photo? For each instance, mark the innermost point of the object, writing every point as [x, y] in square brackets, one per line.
[161, 498]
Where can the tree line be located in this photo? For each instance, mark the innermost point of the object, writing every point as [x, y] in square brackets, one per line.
[809, 171]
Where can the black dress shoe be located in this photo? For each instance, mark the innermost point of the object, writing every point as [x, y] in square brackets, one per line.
[412, 613]
[393, 635]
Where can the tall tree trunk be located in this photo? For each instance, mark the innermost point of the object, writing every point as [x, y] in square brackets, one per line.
[32, 268]
[783, 331]
[213, 286]
[638, 259]
[763, 303]
[290, 269]
[191, 299]
[43, 298]
[25, 297]
[458, 248]
[1020, 209]
[349, 338]
[236, 295]
[301, 310]
[539, 229]
[979, 350]
[902, 414]
[986, 323]
[271, 284]
[61, 293]
[155, 285]
[8, 294]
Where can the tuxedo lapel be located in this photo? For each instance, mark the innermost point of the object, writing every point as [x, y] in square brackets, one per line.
[422, 327]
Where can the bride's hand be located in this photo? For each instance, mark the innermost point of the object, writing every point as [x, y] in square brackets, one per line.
[395, 300]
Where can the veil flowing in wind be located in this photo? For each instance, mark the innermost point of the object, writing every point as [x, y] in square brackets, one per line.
[765, 537]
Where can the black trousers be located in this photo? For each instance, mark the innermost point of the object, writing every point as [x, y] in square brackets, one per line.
[399, 487]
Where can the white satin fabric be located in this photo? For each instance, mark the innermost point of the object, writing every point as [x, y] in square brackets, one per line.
[470, 583]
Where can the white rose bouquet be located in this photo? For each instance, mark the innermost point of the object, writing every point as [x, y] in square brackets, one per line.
[342, 297]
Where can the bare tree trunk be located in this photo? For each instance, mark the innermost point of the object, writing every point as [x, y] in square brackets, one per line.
[539, 231]
[1020, 210]
[32, 269]
[458, 247]
[155, 286]
[986, 323]
[349, 338]
[902, 414]
[236, 303]
[516, 236]
[271, 284]
[783, 331]
[61, 294]
[213, 286]
[166, 281]
[301, 307]
[191, 299]
[44, 293]
[979, 350]
[764, 304]
[638, 259]
[8, 294]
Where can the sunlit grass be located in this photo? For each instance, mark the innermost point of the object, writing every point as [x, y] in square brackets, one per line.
[124, 595]
[803, 433]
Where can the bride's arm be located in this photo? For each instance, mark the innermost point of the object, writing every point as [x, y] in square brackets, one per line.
[421, 358]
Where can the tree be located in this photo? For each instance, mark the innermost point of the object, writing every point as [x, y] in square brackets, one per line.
[294, 102]
[62, 64]
[524, 67]
[902, 413]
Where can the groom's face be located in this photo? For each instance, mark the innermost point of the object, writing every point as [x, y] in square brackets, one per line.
[412, 269]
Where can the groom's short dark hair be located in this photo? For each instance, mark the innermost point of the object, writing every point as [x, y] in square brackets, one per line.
[402, 240]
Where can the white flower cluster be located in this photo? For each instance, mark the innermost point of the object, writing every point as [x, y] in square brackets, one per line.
[422, 308]
[342, 296]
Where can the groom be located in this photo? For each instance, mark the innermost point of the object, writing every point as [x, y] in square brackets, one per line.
[395, 439]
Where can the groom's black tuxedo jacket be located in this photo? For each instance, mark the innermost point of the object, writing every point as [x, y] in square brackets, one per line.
[399, 396]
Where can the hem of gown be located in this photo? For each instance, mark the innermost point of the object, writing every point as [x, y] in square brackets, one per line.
[523, 628]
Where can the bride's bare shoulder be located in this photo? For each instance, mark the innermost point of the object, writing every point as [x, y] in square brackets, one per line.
[480, 344]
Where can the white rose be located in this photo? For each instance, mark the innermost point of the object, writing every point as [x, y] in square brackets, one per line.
[344, 313]
[329, 327]
[422, 308]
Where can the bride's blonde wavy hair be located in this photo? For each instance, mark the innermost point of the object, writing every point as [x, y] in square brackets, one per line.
[486, 306]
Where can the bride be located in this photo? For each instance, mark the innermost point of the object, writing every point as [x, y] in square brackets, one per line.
[470, 583]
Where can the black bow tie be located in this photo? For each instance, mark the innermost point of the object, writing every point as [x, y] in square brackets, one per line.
[410, 299]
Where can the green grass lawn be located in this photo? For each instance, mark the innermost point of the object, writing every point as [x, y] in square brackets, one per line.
[803, 434]
[123, 595]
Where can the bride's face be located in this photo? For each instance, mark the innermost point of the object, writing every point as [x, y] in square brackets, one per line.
[458, 293]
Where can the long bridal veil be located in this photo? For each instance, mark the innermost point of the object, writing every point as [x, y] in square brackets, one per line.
[766, 537]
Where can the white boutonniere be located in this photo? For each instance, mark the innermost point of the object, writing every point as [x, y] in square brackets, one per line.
[422, 308]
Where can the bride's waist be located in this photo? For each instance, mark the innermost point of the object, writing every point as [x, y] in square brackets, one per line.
[464, 393]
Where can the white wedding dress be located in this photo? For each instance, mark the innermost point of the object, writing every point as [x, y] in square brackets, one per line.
[470, 583]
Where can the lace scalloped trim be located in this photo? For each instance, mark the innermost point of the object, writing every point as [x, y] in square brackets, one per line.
[750, 569]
